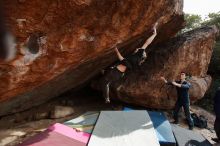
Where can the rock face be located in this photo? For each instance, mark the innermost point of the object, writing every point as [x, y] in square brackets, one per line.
[190, 52]
[62, 44]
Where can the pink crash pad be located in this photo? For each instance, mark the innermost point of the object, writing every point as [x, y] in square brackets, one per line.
[58, 135]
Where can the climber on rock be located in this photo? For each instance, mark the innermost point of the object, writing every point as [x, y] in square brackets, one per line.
[119, 70]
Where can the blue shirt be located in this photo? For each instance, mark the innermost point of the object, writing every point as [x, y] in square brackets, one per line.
[217, 103]
[183, 92]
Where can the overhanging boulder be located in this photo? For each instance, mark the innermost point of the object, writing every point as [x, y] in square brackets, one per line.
[62, 44]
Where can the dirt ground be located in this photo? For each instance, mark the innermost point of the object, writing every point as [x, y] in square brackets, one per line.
[18, 127]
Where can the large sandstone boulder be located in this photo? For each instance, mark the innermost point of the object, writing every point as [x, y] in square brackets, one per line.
[62, 44]
[190, 52]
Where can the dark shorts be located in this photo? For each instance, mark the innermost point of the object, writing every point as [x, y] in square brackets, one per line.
[113, 74]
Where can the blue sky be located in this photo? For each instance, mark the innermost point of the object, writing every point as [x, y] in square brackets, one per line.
[201, 7]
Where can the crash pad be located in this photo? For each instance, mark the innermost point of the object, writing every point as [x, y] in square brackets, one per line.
[85, 122]
[185, 137]
[58, 135]
[124, 128]
[162, 127]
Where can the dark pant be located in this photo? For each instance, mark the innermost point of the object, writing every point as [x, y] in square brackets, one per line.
[217, 127]
[110, 77]
[178, 105]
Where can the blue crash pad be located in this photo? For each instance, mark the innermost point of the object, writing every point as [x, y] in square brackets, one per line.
[162, 127]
